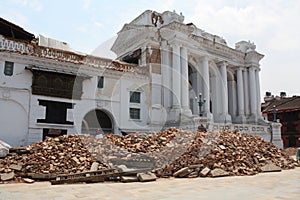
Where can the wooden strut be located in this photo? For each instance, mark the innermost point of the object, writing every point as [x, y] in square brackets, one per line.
[93, 176]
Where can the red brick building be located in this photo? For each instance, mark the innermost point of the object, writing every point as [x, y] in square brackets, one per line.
[287, 111]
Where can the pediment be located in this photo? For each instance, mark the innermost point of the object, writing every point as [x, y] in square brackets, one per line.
[131, 37]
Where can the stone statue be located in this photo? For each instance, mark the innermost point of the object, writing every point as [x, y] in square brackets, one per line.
[155, 17]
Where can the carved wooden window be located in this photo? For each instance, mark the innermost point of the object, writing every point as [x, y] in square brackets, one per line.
[41, 80]
[56, 84]
[8, 68]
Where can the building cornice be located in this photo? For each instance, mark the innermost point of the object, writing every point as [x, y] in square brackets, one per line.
[40, 54]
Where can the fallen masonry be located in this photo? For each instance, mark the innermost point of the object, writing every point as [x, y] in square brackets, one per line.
[143, 157]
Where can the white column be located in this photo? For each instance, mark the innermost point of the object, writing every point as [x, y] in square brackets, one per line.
[240, 91]
[253, 92]
[246, 92]
[258, 93]
[224, 89]
[232, 104]
[176, 81]
[166, 75]
[184, 79]
[206, 90]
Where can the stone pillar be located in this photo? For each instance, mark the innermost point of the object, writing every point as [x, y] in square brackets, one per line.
[240, 95]
[206, 89]
[224, 92]
[184, 81]
[176, 80]
[246, 92]
[166, 75]
[232, 104]
[253, 94]
[276, 135]
[259, 115]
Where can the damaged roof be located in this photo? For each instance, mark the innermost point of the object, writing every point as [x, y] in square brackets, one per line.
[10, 30]
[286, 104]
[16, 39]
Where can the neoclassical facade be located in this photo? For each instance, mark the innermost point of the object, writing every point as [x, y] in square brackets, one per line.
[194, 62]
[167, 73]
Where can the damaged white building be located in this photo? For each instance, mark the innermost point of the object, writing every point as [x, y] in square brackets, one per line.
[167, 73]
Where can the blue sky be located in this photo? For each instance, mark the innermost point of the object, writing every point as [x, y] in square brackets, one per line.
[85, 24]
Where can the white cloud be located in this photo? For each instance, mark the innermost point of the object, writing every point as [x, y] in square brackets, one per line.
[98, 24]
[36, 5]
[86, 4]
[267, 21]
[272, 25]
[82, 29]
[167, 5]
[15, 17]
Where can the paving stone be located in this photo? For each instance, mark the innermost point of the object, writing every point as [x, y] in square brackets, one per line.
[198, 166]
[183, 172]
[256, 160]
[94, 166]
[7, 176]
[129, 179]
[28, 180]
[194, 174]
[271, 167]
[218, 173]
[204, 172]
[144, 177]
[15, 167]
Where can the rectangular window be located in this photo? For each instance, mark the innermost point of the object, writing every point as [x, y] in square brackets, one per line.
[8, 68]
[53, 132]
[135, 113]
[135, 97]
[56, 112]
[100, 82]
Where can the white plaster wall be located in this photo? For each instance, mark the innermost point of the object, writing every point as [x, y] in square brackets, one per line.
[14, 116]
[14, 101]
[127, 85]
[21, 78]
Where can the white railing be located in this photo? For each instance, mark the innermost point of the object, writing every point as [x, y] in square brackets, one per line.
[258, 130]
[66, 56]
[12, 45]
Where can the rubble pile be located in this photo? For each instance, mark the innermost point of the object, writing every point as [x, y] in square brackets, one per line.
[144, 142]
[172, 152]
[62, 155]
[229, 151]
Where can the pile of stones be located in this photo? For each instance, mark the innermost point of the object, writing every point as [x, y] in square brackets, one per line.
[171, 152]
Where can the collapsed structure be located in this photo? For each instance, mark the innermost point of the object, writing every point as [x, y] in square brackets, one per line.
[167, 74]
[172, 152]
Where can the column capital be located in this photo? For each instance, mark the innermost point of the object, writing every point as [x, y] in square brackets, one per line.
[203, 58]
[253, 67]
[240, 68]
[184, 49]
[245, 69]
[176, 45]
[164, 45]
[221, 63]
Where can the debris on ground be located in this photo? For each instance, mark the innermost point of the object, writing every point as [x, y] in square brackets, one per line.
[4, 149]
[291, 151]
[43, 160]
[143, 157]
[233, 152]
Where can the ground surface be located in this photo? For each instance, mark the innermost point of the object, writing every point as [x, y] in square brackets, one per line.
[277, 185]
